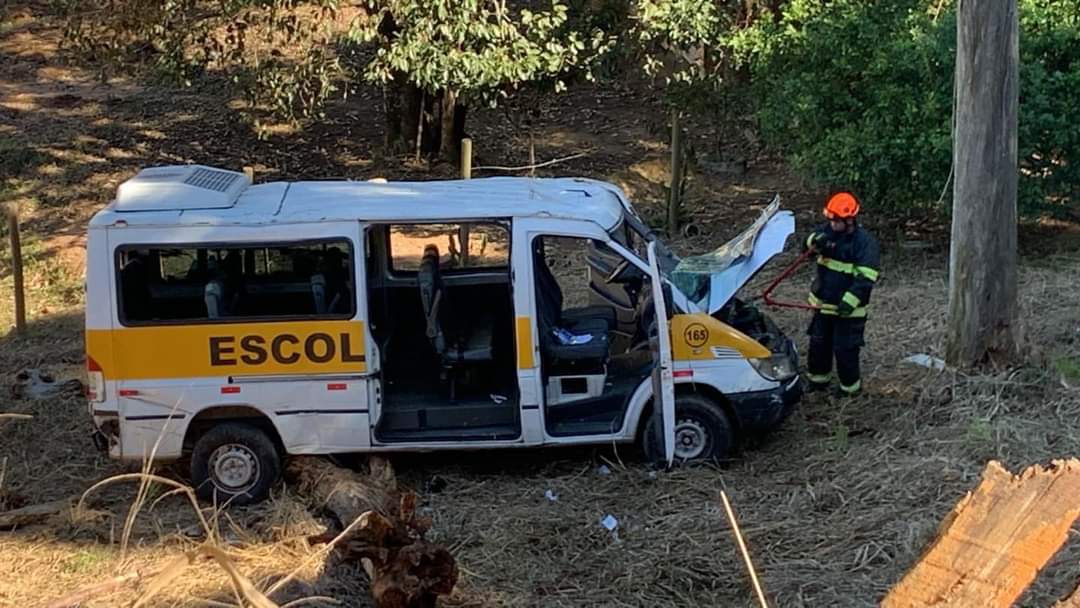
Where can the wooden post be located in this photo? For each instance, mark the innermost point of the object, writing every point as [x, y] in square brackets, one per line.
[17, 267]
[532, 155]
[420, 126]
[982, 325]
[466, 173]
[676, 175]
[466, 158]
[250, 173]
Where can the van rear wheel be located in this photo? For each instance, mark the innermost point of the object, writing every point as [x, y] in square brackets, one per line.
[234, 463]
[703, 431]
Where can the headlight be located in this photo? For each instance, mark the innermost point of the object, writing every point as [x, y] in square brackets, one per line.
[776, 368]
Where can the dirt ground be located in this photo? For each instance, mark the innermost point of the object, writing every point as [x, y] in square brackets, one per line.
[836, 505]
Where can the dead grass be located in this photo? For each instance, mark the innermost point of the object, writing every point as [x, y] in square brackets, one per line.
[835, 506]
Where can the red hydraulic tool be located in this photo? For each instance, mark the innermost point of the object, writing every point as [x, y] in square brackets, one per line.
[767, 294]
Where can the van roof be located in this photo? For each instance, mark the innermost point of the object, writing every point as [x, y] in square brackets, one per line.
[162, 203]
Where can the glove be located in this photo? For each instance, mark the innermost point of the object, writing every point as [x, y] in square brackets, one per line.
[844, 309]
[817, 241]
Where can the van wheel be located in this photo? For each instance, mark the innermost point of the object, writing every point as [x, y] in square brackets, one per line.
[234, 463]
[703, 431]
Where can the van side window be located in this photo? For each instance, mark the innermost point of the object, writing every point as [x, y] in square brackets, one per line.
[487, 246]
[167, 283]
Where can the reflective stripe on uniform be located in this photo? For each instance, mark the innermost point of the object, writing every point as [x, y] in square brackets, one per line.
[851, 389]
[867, 272]
[816, 301]
[848, 268]
[819, 378]
[857, 312]
[851, 299]
[837, 265]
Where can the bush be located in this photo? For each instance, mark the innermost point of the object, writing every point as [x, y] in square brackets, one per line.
[859, 94]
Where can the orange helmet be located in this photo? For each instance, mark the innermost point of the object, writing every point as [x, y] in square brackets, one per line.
[842, 206]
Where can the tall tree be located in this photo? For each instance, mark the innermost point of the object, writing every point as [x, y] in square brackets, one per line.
[982, 325]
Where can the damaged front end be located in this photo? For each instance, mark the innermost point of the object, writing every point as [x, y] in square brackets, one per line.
[711, 282]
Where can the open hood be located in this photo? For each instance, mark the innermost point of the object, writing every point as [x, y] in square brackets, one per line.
[710, 280]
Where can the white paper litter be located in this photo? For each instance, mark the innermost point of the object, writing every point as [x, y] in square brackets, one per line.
[603, 470]
[926, 361]
[551, 496]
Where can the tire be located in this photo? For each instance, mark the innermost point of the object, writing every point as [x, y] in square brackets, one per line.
[703, 432]
[234, 464]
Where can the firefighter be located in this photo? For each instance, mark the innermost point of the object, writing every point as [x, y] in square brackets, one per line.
[848, 266]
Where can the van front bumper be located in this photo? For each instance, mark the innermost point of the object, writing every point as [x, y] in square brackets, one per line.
[762, 411]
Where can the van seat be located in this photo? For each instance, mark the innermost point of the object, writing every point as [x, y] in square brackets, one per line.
[214, 297]
[456, 344]
[580, 319]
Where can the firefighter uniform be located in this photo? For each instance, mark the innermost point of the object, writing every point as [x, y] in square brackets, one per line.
[848, 264]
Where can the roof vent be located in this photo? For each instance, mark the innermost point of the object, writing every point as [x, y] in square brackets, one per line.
[212, 179]
[176, 188]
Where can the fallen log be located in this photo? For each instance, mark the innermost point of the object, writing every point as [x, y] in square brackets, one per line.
[995, 541]
[33, 514]
[406, 571]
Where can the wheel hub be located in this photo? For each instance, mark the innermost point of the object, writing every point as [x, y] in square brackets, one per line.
[234, 468]
[690, 439]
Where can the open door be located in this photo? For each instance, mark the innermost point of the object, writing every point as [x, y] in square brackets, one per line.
[663, 381]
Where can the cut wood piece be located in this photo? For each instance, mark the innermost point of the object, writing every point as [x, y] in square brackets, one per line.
[406, 571]
[33, 514]
[995, 541]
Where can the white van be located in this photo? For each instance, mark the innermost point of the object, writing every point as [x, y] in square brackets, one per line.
[235, 324]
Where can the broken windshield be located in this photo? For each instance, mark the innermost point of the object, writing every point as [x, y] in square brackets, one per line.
[693, 275]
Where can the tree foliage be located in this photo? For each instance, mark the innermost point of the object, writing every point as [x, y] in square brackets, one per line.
[860, 94]
[287, 54]
[856, 93]
[280, 53]
[478, 49]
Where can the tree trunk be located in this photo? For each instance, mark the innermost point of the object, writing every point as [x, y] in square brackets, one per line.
[674, 202]
[406, 571]
[431, 124]
[402, 116]
[982, 267]
[452, 129]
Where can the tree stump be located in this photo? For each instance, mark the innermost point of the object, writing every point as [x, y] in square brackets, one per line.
[406, 570]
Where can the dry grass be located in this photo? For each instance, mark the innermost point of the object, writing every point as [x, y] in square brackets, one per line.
[835, 506]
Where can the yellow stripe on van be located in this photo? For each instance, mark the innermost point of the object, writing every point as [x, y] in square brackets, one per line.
[525, 343]
[227, 349]
[697, 336]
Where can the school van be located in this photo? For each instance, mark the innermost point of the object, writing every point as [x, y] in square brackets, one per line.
[233, 324]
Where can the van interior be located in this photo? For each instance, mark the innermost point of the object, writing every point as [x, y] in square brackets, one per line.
[208, 282]
[593, 353]
[442, 315]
